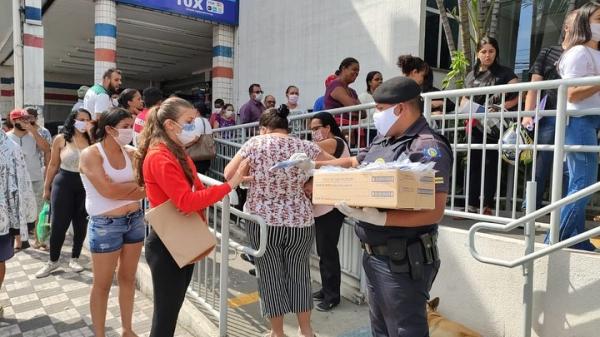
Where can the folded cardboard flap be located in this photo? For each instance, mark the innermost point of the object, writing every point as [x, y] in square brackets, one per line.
[387, 188]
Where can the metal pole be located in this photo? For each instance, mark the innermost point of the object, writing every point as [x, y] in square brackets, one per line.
[224, 271]
[528, 267]
[18, 53]
[557, 165]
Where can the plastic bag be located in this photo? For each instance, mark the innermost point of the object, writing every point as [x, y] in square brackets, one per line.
[43, 226]
[512, 136]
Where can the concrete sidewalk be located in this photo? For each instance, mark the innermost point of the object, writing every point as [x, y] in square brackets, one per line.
[58, 305]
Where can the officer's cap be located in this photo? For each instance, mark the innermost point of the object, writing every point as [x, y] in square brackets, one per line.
[396, 90]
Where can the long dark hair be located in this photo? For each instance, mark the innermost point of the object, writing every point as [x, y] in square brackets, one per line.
[327, 120]
[68, 130]
[581, 31]
[110, 118]
[370, 76]
[126, 96]
[275, 118]
[487, 40]
[154, 133]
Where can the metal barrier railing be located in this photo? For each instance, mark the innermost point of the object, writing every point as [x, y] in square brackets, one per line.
[556, 201]
[210, 281]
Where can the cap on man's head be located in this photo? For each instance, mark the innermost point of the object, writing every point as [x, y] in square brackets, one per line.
[18, 113]
[81, 91]
[396, 90]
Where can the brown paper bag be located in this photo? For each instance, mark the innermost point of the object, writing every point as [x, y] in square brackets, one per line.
[186, 236]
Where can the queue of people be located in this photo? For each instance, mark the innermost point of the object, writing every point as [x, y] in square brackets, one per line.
[92, 170]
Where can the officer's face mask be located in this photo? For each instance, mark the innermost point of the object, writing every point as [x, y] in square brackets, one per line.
[384, 120]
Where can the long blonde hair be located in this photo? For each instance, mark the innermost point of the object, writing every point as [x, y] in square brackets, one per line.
[154, 133]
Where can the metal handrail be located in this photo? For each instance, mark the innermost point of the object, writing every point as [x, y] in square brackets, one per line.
[531, 217]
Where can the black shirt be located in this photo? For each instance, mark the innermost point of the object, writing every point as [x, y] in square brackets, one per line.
[545, 65]
[421, 143]
[495, 75]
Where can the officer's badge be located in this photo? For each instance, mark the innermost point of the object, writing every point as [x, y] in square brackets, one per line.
[380, 161]
[431, 152]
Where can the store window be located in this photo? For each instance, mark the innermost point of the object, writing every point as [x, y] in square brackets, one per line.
[437, 54]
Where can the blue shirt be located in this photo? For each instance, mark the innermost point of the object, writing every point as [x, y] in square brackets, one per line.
[319, 104]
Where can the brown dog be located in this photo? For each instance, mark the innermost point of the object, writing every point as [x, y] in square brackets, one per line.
[440, 326]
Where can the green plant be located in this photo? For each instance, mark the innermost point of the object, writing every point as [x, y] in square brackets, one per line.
[458, 71]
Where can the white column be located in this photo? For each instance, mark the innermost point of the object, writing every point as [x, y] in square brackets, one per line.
[105, 38]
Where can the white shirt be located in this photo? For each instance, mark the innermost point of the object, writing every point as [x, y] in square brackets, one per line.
[97, 100]
[581, 61]
[33, 156]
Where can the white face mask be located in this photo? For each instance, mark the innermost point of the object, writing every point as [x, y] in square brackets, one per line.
[595, 27]
[125, 136]
[80, 125]
[384, 120]
[258, 97]
[228, 113]
[187, 134]
[293, 99]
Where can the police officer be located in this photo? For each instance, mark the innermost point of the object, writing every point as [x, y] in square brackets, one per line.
[400, 253]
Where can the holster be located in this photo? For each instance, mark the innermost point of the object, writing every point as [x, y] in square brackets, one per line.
[396, 249]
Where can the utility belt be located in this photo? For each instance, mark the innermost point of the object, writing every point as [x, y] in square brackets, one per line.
[408, 255]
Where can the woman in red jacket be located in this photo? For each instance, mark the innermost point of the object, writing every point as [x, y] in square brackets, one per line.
[167, 172]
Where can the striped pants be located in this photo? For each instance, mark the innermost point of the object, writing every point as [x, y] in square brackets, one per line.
[284, 271]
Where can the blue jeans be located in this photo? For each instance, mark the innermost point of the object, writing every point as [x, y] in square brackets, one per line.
[583, 172]
[107, 234]
[543, 169]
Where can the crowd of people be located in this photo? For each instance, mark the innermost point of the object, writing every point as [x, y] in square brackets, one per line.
[115, 151]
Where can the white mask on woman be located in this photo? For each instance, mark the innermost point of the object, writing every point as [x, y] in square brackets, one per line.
[80, 126]
[384, 120]
[293, 99]
[187, 134]
[595, 28]
[317, 135]
[228, 113]
[125, 136]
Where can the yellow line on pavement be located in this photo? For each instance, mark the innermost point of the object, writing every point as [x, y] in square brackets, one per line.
[243, 299]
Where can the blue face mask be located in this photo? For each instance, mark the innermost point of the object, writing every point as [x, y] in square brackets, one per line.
[187, 134]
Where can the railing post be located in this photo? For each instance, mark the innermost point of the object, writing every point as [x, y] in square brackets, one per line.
[557, 165]
[427, 109]
[528, 267]
[224, 271]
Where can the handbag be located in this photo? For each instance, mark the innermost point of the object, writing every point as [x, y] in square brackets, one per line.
[204, 148]
[186, 237]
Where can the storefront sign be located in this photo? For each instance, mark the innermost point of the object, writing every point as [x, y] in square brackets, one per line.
[223, 11]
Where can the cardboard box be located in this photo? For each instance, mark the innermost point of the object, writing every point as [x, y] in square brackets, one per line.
[389, 188]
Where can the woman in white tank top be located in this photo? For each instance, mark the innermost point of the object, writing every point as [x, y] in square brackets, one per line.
[116, 228]
[581, 59]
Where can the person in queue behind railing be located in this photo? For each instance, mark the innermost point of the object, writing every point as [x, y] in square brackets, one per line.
[487, 71]
[278, 197]
[116, 227]
[374, 79]
[64, 189]
[543, 69]
[168, 174]
[581, 59]
[131, 99]
[328, 220]
[319, 104]
[339, 94]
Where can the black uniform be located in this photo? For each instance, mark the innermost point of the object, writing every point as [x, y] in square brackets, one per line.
[401, 262]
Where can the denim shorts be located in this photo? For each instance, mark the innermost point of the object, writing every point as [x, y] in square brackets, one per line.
[108, 234]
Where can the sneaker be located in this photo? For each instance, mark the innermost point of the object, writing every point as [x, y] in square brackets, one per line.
[75, 266]
[48, 268]
[326, 306]
[318, 295]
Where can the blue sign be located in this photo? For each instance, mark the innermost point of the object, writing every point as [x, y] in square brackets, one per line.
[223, 11]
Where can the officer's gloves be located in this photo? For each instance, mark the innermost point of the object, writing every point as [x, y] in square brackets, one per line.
[303, 162]
[365, 214]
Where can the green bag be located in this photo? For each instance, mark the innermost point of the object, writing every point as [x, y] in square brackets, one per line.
[43, 225]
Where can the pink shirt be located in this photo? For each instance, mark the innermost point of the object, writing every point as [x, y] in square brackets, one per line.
[278, 196]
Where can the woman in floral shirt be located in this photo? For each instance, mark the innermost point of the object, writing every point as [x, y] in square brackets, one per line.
[278, 197]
